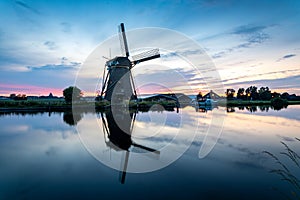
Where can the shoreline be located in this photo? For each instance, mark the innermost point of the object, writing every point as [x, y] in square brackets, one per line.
[102, 106]
[237, 103]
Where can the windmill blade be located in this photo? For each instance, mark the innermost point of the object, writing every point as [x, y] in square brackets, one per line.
[123, 40]
[146, 148]
[148, 55]
[123, 170]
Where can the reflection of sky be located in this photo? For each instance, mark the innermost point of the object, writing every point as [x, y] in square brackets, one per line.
[291, 113]
[39, 152]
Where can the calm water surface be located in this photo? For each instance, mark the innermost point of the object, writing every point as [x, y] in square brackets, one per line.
[43, 156]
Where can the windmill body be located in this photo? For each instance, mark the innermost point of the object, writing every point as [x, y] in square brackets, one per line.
[118, 84]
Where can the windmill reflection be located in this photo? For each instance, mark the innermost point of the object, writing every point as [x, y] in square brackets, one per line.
[118, 125]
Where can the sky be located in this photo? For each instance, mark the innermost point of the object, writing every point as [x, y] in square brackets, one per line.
[43, 44]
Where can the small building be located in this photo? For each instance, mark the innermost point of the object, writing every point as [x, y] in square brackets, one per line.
[211, 95]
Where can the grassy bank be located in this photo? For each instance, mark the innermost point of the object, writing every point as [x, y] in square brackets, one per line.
[61, 105]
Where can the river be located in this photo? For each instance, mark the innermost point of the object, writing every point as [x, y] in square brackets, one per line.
[190, 154]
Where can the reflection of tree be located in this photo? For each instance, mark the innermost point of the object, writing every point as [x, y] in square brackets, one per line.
[262, 108]
[72, 118]
[286, 172]
[251, 108]
[230, 109]
[279, 103]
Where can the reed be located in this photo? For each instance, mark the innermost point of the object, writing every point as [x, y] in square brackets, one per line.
[284, 172]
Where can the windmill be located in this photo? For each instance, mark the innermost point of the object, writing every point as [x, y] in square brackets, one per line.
[119, 137]
[117, 81]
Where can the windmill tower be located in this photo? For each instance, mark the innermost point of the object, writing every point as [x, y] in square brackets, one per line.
[117, 79]
[119, 138]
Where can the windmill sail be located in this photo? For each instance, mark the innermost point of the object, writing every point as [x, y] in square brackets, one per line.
[123, 40]
[145, 56]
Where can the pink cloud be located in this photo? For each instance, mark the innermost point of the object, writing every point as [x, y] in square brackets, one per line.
[6, 89]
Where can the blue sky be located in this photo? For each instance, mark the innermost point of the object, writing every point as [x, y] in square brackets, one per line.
[43, 43]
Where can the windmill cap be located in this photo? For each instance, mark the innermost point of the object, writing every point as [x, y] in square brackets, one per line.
[119, 61]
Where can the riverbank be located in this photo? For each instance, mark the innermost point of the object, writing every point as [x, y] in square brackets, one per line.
[61, 106]
[237, 103]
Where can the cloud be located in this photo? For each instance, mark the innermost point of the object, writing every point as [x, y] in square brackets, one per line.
[262, 74]
[286, 138]
[27, 7]
[1, 33]
[250, 34]
[71, 65]
[289, 55]
[51, 45]
[28, 89]
[286, 57]
[248, 29]
[287, 83]
[66, 27]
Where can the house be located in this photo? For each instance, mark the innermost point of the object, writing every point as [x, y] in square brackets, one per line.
[211, 95]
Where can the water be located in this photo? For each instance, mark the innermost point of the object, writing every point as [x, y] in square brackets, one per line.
[44, 156]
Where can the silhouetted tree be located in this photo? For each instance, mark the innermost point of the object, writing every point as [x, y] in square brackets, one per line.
[72, 93]
[241, 93]
[275, 94]
[12, 96]
[20, 97]
[285, 95]
[252, 93]
[230, 93]
[199, 96]
[264, 93]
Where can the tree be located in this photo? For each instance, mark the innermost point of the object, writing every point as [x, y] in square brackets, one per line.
[230, 93]
[264, 93]
[12, 96]
[241, 93]
[285, 95]
[72, 93]
[252, 93]
[199, 96]
[275, 94]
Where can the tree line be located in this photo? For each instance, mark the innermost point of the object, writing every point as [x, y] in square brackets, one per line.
[253, 93]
